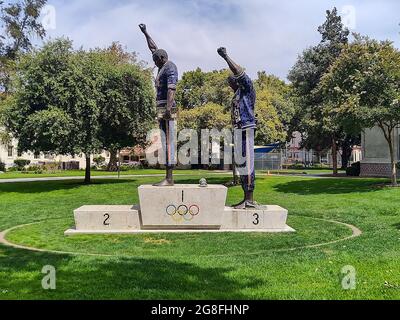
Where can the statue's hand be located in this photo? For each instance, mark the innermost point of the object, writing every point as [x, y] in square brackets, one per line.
[222, 52]
[167, 115]
[142, 27]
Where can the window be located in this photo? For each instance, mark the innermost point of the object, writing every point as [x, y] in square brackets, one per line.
[37, 155]
[19, 154]
[10, 151]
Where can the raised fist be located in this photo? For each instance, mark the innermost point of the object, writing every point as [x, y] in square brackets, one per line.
[222, 52]
[142, 27]
[167, 115]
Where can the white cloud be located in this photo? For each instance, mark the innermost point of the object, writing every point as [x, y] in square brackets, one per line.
[260, 35]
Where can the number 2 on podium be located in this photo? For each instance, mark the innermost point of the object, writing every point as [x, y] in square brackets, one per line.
[107, 217]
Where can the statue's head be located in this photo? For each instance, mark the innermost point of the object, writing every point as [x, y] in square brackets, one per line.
[160, 57]
[233, 83]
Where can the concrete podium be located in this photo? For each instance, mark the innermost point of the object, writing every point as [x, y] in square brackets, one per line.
[181, 208]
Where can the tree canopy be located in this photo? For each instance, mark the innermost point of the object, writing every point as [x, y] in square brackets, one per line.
[204, 99]
[73, 102]
[127, 109]
[19, 22]
[320, 130]
[362, 89]
[197, 88]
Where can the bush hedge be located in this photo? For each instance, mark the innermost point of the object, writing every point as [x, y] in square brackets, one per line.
[354, 170]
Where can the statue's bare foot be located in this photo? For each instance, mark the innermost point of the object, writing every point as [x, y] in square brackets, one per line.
[165, 183]
[246, 205]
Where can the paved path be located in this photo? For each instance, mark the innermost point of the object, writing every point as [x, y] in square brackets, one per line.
[320, 176]
[102, 177]
[355, 233]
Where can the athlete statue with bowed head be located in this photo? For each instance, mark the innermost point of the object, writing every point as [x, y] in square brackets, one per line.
[244, 123]
[166, 81]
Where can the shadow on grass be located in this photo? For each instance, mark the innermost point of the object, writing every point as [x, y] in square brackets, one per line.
[116, 278]
[195, 181]
[327, 186]
[397, 225]
[46, 186]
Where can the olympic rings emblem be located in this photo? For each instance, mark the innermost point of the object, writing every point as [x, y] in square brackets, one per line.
[182, 212]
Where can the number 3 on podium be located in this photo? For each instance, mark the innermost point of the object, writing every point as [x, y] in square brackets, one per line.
[256, 220]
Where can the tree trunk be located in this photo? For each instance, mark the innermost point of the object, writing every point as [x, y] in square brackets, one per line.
[113, 163]
[346, 154]
[87, 171]
[393, 163]
[334, 157]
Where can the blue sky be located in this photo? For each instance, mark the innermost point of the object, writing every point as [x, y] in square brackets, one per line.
[259, 34]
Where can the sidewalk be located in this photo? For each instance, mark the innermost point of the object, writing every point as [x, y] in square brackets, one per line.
[14, 180]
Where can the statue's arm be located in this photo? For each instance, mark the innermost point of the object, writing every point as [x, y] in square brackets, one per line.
[150, 42]
[170, 99]
[172, 79]
[235, 68]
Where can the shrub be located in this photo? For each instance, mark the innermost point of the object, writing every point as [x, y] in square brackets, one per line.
[124, 167]
[319, 166]
[99, 161]
[52, 167]
[21, 163]
[130, 166]
[36, 169]
[354, 170]
[2, 166]
[296, 166]
[144, 164]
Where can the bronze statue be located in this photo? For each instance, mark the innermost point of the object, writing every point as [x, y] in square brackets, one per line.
[166, 81]
[244, 123]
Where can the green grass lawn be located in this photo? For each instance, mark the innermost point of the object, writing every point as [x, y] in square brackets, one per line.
[95, 173]
[206, 266]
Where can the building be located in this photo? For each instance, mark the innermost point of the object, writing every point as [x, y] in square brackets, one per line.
[295, 154]
[9, 153]
[375, 153]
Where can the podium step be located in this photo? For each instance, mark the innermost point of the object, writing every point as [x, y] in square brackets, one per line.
[182, 208]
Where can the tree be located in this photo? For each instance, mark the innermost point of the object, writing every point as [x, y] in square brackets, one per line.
[198, 88]
[312, 118]
[274, 109]
[56, 97]
[210, 116]
[127, 109]
[73, 102]
[19, 23]
[362, 89]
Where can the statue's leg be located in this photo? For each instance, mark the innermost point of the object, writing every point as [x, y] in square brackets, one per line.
[167, 128]
[248, 171]
[240, 153]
